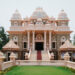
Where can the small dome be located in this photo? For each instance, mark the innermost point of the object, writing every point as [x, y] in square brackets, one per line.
[39, 13]
[52, 18]
[16, 16]
[62, 15]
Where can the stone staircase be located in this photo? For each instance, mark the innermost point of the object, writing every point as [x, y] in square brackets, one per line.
[45, 55]
[33, 55]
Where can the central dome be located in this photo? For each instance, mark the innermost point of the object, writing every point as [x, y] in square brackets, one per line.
[39, 13]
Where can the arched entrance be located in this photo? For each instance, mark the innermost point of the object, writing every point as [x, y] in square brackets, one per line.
[8, 56]
[39, 46]
[39, 42]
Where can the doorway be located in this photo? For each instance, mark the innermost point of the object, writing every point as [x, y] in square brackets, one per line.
[71, 58]
[8, 57]
[39, 46]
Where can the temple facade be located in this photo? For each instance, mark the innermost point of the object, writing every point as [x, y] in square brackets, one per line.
[39, 32]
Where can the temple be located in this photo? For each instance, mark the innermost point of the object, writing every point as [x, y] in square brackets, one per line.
[39, 34]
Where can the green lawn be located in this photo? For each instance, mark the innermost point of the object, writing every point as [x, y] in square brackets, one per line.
[39, 70]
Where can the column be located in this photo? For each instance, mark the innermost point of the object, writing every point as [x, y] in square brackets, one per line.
[13, 58]
[50, 44]
[45, 40]
[33, 40]
[28, 34]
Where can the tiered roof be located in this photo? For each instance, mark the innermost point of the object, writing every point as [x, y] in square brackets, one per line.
[11, 46]
[67, 46]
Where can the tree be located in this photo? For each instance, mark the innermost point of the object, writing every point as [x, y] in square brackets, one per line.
[74, 39]
[3, 37]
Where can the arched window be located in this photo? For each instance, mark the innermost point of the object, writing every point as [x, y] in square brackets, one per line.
[15, 39]
[63, 39]
[54, 42]
[24, 42]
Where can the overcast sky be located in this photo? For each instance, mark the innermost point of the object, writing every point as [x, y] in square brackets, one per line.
[26, 8]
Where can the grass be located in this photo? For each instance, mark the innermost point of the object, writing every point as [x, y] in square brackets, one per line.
[39, 70]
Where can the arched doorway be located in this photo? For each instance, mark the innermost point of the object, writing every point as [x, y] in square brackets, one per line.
[39, 42]
[8, 56]
[39, 46]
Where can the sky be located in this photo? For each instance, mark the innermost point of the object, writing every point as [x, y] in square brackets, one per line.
[27, 7]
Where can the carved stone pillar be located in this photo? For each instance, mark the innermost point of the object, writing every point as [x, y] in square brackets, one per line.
[66, 56]
[33, 40]
[50, 44]
[28, 34]
[13, 58]
[45, 40]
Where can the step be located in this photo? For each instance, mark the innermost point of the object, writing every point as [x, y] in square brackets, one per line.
[33, 55]
[45, 55]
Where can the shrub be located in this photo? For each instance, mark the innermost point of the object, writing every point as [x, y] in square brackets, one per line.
[6, 70]
[71, 69]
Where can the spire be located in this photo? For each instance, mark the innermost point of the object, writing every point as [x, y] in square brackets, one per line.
[67, 46]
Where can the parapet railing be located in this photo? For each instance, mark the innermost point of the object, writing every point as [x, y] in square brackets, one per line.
[41, 62]
[7, 64]
[47, 27]
[70, 64]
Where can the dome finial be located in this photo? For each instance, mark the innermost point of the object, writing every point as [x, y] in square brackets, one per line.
[62, 10]
[16, 10]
